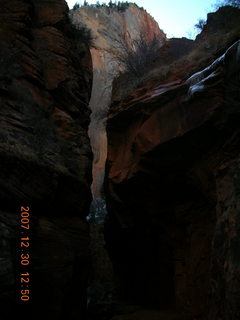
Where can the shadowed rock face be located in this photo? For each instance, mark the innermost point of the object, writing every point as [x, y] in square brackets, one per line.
[45, 155]
[172, 181]
[107, 26]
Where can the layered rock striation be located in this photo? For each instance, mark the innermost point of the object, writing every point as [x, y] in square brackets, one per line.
[172, 181]
[45, 156]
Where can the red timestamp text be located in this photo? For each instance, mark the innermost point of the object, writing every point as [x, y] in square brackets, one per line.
[25, 278]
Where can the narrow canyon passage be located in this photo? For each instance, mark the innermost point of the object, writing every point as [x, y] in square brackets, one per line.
[102, 292]
[161, 240]
[168, 204]
[158, 233]
[162, 186]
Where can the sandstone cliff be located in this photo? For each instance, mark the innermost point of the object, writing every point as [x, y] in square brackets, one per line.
[45, 157]
[173, 178]
[107, 25]
[179, 58]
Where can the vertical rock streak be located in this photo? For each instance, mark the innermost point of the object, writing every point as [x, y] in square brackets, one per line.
[107, 26]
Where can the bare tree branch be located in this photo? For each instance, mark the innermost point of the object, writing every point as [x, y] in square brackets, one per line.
[136, 55]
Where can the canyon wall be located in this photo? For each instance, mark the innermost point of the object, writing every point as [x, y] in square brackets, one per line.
[172, 173]
[172, 179]
[109, 25]
[45, 158]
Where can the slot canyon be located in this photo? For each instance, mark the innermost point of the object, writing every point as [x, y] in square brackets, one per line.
[133, 181]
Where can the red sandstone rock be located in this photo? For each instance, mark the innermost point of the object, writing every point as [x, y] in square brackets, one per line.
[107, 26]
[166, 142]
[45, 156]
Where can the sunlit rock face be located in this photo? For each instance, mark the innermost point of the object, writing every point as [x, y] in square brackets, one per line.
[107, 25]
[172, 181]
[45, 157]
[179, 59]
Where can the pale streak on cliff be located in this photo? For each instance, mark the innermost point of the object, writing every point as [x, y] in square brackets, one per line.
[106, 25]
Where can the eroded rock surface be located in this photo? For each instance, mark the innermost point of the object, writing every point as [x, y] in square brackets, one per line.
[108, 25]
[45, 156]
[172, 170]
